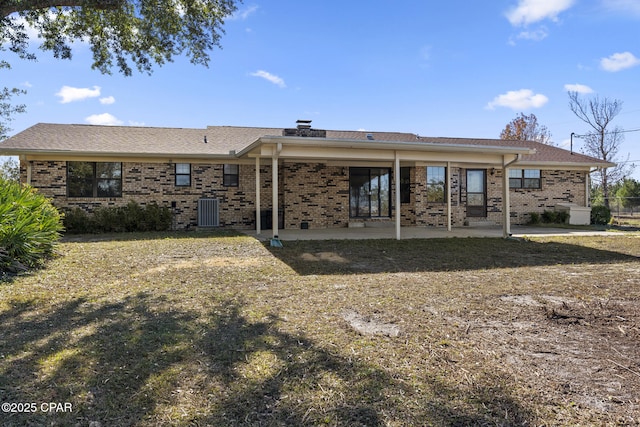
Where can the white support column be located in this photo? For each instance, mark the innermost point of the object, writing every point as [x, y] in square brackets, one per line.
[258, 224]
[506, 204]
[448, 194]
[274, 203]
[396, 175]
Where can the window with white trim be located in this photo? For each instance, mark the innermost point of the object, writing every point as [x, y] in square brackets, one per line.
[183, 174]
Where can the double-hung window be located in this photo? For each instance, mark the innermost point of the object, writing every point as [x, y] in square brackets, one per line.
[94, 179]
[183, 174]
[525, 178]
[231, 175]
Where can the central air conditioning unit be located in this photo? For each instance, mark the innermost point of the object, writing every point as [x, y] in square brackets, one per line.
[208, 213]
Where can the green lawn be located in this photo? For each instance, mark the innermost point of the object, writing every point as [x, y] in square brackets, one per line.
[221, 330]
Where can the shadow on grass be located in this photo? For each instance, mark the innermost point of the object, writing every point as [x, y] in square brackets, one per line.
[420, 255]
[139, 362]
[151, 235]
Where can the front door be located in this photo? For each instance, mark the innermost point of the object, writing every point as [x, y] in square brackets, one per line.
[476, 193]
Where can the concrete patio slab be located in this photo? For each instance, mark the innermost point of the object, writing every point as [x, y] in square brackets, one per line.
[421, 233]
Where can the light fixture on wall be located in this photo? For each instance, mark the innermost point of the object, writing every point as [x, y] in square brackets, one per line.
[493, 171]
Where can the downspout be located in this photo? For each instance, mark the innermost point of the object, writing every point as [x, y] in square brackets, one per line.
[516, 160]
[506, 201]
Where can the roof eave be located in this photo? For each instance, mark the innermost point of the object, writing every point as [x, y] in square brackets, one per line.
[384, 145]
[98, 154]
[560, 164]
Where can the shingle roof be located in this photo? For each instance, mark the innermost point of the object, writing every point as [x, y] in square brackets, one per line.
[135, 140]
[544, 153]
[166, 142]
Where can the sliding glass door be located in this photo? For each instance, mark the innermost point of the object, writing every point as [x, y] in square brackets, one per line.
[369, 192]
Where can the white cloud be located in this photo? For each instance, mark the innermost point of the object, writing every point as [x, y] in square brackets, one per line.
[27, 84]
[578, 88]
[530, 11]
[619, 61]
[71, 94]
[244, 13]
[536, 35]
[107, 100]
[104, 119]
[625, 6]
[270, 78]
[522, 99]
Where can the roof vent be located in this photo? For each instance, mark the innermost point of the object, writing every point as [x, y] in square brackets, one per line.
[370, 136]
[303, 129]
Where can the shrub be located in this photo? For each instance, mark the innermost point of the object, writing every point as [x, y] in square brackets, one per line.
[549, 217]
[534, 218]
[131, 217]
[555, 217]
[562, 217]
[30, 227]
[77, 220]
[600, 215]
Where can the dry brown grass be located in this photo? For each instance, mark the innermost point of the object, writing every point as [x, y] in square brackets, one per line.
[220, 330]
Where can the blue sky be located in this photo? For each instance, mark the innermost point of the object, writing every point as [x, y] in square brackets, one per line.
[460, 68]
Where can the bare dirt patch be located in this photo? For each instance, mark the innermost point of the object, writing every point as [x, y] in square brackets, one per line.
[585, 353]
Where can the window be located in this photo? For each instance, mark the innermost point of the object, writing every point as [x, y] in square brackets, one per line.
[524, 178]
[183, 174]
[405, 185]
[231, 175]
[94, 179]
[436, 188]
[369, 192]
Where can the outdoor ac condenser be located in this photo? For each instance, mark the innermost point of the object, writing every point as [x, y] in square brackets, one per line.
[208, 213]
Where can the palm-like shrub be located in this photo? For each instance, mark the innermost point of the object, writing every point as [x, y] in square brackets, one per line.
[29, 227]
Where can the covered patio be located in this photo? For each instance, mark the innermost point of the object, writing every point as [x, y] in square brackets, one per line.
[278, 150]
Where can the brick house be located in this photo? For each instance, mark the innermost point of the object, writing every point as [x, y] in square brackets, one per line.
[269, 178]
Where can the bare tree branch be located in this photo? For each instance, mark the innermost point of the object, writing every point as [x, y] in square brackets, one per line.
[600, 142]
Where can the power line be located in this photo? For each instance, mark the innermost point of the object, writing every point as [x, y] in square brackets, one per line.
[575, 135]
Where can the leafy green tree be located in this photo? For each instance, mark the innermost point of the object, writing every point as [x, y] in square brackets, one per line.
[10, 169]
[629, 193]
[526, 128]
[122, 33]
[7, 110]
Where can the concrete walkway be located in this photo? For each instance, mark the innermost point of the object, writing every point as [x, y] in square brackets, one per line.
[422, 233]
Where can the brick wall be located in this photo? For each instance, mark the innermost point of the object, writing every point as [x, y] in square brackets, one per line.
[558, 186]
[311, 193]
[145, 183]
[316, 194]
